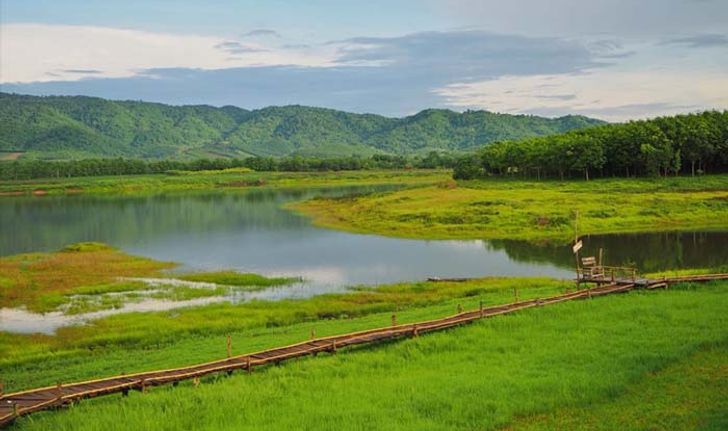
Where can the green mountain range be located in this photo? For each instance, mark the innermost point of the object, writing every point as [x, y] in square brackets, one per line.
[65, 127]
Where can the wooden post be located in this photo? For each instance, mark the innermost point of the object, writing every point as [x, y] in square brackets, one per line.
[576, 253]
[2, 389]
[144, 385]
[15, 410]
[480, 308]
[601, 255]
[394, 319]
[414, 331]
[229, 345]
[333, 346]
[248, 365]
[460, 308]
[59, 388]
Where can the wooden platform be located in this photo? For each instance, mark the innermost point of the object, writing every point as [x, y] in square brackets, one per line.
[17, 404]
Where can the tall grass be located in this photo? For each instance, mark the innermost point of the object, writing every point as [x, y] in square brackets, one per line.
[254, 325]
[488, 375]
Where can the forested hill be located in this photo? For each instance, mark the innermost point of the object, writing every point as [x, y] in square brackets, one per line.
[60, 127]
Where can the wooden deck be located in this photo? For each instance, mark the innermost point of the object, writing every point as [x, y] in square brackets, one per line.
[17, 404]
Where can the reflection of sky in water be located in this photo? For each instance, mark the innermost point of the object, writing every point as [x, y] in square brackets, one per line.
[329, 257]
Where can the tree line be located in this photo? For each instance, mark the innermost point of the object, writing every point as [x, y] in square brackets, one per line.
[685, 144]
[33, 169]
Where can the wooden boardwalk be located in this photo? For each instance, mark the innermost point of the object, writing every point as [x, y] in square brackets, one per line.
[17, 404]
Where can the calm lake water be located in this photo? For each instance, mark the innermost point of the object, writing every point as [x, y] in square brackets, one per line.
[249, 231]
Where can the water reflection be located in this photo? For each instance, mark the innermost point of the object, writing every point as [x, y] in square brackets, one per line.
[649, 252]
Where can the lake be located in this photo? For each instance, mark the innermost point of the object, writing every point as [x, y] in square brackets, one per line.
[249, 231]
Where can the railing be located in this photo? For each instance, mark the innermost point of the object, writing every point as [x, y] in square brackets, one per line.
[605, 274]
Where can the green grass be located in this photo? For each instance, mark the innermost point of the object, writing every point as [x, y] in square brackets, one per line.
[591, 360]
[691, 393]
[334, 313]
[214, 180]
[531, 210]
[232, 278]
[688, 271]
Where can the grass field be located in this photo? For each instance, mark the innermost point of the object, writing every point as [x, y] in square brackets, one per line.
[214, 180]
[643, 360]
[530, 210]
[198, 333]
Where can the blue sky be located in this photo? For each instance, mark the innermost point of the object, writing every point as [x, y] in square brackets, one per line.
[613, 59]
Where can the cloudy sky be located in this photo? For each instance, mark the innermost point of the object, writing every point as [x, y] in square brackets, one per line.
[611, 59]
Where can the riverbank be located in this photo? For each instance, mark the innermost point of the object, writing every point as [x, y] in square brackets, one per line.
[530, 210]
[217, 180]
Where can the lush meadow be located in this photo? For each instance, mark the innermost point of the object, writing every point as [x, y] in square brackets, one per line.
[531, 210]
[640, 360]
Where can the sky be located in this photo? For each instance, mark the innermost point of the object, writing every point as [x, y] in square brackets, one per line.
[610, 59]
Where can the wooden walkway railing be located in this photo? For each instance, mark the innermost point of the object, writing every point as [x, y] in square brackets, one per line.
[17, 404]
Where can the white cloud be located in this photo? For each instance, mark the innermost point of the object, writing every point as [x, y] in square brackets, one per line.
[41, 53]
[611, 95]
[651, 79]
[562, 18]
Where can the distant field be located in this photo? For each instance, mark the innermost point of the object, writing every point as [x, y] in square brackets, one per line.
[512, 209]
[10, 155]
[217, 180]
[643, 360]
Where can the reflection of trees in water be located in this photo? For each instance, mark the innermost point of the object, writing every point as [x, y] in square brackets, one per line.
[648, 251]
[32, 223]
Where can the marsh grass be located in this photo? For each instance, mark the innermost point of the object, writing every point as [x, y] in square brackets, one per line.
[232, 278]
[616, 362]
[531, 210]
[87, 277]
[43, 281]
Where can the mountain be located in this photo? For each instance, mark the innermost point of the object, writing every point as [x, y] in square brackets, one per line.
[62, 127]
